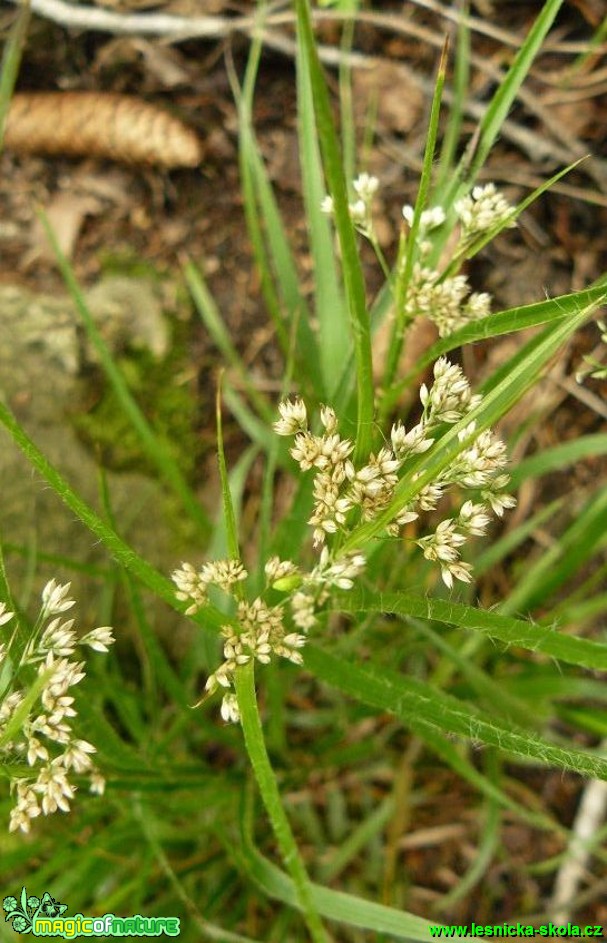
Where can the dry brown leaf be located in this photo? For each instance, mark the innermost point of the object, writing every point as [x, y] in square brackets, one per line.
[65, 215]
[165, 64]
[391, 88]
[93, 124]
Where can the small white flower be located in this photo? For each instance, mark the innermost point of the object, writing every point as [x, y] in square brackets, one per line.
[5, 616]
[229, 709]
[77, 756]
[306, 450]
[55, 599]
[9, 705]
[293, 417]
[430, 496]
[477, 306]
[223, 573]
[190, 585]
[414, 442]
[473, 518]
[36, 751]
[358, 212]
[484, 209]
[430, 219]
[443, 300]
[328, 419]
[27, 808]
[499, 502]
[366, 186]
[327, 206]
[99, 639]
[52, 784]
[450, 397]
[461, 571]
[406, 516]
[59, 638]
[302, 607]
[46, 739]
[57, 706]
[277, 569]
[97, 783]
[65, 674]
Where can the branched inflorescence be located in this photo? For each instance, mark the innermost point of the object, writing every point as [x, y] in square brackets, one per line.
[260, 631]
[38, 740]
[345, 496]
[447, 300]
[444, 299]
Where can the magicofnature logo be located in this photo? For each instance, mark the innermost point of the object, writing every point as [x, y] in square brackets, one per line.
[43, 916]
[23, 912]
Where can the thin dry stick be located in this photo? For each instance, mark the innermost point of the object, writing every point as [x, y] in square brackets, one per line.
[150, 24]
[590, 816]
[503, 36]
[537, 146]
[175, 27]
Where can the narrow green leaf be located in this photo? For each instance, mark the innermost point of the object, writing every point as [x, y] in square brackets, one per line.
[422, 707]
[330, 309]
[476, 155]
[120, 550]
[335, 905]
[461, 82]
[352, 271]
[560, 456]
[586, 534]
[229, 516]
[269, 237]
[268, 788]
[513, 632]
[509, 321]
[495, 551]
[404, 277]
[452, 755]
[18, 717]
[211, 318]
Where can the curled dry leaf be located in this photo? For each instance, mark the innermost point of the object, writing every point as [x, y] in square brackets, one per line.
[97, 124]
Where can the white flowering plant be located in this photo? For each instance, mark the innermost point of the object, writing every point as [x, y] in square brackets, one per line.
[343, 627]
[39, 745]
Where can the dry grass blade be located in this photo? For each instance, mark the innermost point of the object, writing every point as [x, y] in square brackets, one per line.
[93, 124]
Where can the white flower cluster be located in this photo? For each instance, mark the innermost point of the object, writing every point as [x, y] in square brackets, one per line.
[44, 738]
[259, 631]
[365, 187]
[429, 220]
[445, 301]
[483, 209]
[193, 585]
[345, 495]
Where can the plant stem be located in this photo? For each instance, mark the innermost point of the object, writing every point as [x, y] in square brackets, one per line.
[268, 787]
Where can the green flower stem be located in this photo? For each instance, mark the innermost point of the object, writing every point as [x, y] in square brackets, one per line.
[268, 787]
[402, 319]
[352, 270]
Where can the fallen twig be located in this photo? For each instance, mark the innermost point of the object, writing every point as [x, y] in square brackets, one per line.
[589, 819]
